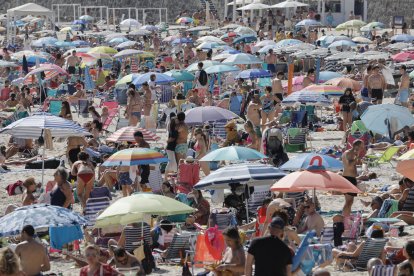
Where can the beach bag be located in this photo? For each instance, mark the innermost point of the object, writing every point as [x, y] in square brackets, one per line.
[203, 78]
[49, 164]
[15, 189]
[215, 242]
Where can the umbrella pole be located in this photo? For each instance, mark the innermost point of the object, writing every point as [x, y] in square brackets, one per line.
[247, 204]
[43, 164]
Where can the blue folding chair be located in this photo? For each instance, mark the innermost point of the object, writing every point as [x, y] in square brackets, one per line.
[235, 104]
[54, 107]
[52, 93]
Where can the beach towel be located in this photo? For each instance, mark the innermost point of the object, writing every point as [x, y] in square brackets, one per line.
[15, 188]
[60, 236]
[388, 207]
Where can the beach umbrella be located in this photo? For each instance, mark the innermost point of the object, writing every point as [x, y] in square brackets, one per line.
[138, 206]
[403, 56]
[111, 36]
[126, 134]
[314, 178]
[209, 38]
[244, 31]
[256, 5]
[86, 17]
[406, 168]
[342, 43]
[139, 32]
[44, 41]
[386, 118]
[355, 23]
[184, 20]
[126, 79]
[118, 40]
[373, 26]
[206, 63]
[252, 174]
[242, 58]
[233, 153]
[128, 53]
[402, 38]
[265, 42]
[202, 114]
[407, 156]
[230, 26]
[345, 83]
[103, 50]
[78, 50]
[135, 156]
[27, 18]
[221, 68]
[303, 161]
[199, 28]
[222, 56]
[130, 23]
[182, 40]
[78, 43]
[64, 44]
[150, 28]
[245, 39]
[66, 30]
[4, 64]
[254, 74]
[361, 40]
[327, 90]
[306, 97]
[180, 75]
[265, 49]
[325, 76]
[162, 26]
[160, 78]
[79, 22]
[210, 45]
[50, 70]
[40, 216]
[308, 23]
[289, 4]
[288, 42]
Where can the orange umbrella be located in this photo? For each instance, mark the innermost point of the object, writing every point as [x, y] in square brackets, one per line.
[316, 178]
[345, 83]
[406, 168]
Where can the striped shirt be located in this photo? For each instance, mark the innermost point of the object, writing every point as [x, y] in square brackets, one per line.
[409, 202]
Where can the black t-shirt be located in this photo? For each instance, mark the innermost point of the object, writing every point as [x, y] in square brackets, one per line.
[346, 100]
[271, 256]
[171, 145]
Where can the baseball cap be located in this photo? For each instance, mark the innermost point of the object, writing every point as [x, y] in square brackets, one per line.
[277, 222]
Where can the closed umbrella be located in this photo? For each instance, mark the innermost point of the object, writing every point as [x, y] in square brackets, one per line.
[126, 134]
[25, 66]
[180, 75]
[221, 68]
[136, 207]
[160, 78]
[242, 58]
[200, 115]
[385, 119]
[252, 174]
[40, 216]
[303, 161]
[306, 97]
[233, 153]
[135, 156]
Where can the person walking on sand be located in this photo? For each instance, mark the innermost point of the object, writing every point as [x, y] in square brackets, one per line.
[376, 85]
[350, 159]
[404, 87]
[182, 128]
[33, 256]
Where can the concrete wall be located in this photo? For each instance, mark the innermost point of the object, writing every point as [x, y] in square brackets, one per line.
[384, 10]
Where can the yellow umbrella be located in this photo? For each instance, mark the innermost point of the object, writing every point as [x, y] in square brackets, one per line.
[103, 50]
[408, 155]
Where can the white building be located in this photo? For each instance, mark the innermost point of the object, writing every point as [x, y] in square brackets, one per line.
[340, 9]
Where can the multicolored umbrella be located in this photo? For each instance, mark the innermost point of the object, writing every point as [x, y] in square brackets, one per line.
[254, 74]
[245, 39]
[184, 20]
[39, 216]
[306, 97]
[126, 134]
[180, 75]
[134, 208]
[135, 156]
[327, 90]
[233, 153]
[103, 50]
[50, 70]
[202, 114]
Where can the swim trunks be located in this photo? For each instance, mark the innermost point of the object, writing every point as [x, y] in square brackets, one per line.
[271, 68]
[72, 70]
[353, 180]
[124, 178]
[377, 94]
[403, 96]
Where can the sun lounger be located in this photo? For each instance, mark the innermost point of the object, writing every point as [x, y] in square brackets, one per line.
[384, 270]
[382, 158]
[180, 244]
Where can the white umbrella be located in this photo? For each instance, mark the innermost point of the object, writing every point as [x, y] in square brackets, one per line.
[254, 6]
[289, 4]
[360, 39]
[244, 30]
[230, 26]
[240, 2]
[140, 32]
[242, 59]
[127, 53]
[210, 38]
[265, 42]
[130, 23]
[126, 44]
[199, 28]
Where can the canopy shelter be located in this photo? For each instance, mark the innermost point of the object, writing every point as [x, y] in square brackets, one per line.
[22, 11]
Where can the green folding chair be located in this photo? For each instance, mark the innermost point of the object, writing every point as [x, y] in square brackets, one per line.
[385, 157]
[358, 126]
[296, 140]
[310, 109]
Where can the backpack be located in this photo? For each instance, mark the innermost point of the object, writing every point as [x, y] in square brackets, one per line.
[148, 263]
[203, 78]
[15, 188]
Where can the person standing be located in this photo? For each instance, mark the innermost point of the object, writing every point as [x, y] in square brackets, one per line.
[270, 255]
[182, 129]
[403, 91]
[171, 145]
[364, 90]
[134, 107]
[33, 255]
[346, 101]
[145, 169]
[350, 159]
[201, 80]
[271, 60]
[71, 62]
[376, 85]
[61, 194]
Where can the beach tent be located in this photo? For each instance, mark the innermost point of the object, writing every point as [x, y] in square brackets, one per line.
[22, 11]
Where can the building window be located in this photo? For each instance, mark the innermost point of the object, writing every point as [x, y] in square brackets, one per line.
[333, 6]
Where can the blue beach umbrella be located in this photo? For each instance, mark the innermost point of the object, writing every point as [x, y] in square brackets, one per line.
[245, 39]
[64, 44]
[402, 38]
[160, 78]
[180, 75]
[233, 153]
[254, 74]
[221, 68]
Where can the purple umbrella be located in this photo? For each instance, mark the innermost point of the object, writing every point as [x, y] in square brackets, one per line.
[202, 114]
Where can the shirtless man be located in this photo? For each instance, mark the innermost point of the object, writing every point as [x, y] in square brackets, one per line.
[253, 113]
[364, 91]
[33, 256]
[271, 60]
[309, 79]
[403, 91]
[376, 85]
[182, 128]
[71, 62]
[350, 159]
[145, 169]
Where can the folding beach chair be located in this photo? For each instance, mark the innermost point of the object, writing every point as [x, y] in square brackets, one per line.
[54, 107]
[135, 234]
[235, 104]
[219, 129]
[180, 244]
[382, 158]
[93, 207]
[83, 106]
[327, 235]
[384, 270]
[222, 218]
[286, 117]
[299, 119]
[52, 93]
[373, 248]
[257, 197]
[310, 111]
[296, 140]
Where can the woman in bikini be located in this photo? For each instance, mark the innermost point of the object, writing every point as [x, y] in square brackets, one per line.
[134, 107]
[124, 180]
[252, 141]
[85, 172]
[268, 106]
[201, 148]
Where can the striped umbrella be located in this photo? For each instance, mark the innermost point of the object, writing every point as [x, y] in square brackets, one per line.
[126, 134]
[47, 68]
[32, 127]
[253, 174]
[135, 156]
[327, 90]
[306, 97]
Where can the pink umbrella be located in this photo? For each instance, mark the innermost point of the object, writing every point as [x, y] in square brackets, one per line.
[316, 178]
[126, 134]
[345, 83]
[48, 69]
[403, 56]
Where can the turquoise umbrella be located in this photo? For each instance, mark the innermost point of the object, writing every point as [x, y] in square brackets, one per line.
[233, 153]
[179, 75]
